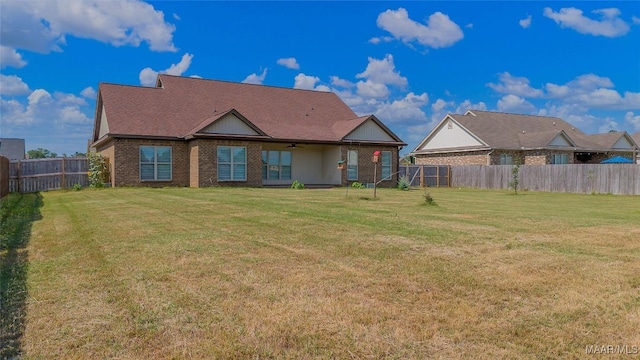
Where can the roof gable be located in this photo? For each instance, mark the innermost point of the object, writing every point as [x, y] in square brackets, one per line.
[228, 122]
[561, 140]
[449, 134]
[367, 128]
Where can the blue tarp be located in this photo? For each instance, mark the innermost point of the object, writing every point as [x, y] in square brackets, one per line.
[617, 160]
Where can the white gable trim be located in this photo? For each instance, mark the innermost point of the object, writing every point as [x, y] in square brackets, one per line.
[229, 124]
[104, 125]
[561, 140]
[623, 143]
[369, 131]
[450, 134]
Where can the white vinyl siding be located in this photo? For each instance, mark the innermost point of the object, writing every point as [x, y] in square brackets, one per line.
[352, 165]
[155, 163]
[232, 163]
[386, 165]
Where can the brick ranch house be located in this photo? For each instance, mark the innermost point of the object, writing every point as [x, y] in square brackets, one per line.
[494, 138]
[197, 132]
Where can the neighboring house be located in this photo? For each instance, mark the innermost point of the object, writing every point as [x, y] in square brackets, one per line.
[197, 132]
[494, 138]
[636, 138]
[12, 149]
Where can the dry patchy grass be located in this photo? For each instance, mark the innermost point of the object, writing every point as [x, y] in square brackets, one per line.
[276, 273]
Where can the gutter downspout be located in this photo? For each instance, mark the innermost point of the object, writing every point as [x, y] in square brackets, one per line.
[489, 157]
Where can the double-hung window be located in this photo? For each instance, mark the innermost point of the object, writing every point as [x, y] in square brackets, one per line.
[506, 159]
[559, 159]
[352, 165]
[232, 163]
[155, 163]
[386, 165]
[276, 165]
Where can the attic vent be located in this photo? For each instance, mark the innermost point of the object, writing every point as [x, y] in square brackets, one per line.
[554, 123]
[523, 131]
[449, 125]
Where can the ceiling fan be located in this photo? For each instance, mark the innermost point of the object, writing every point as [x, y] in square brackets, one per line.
[294, 146]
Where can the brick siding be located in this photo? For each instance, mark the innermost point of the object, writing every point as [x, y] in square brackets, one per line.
[530, 157]
[366, 166]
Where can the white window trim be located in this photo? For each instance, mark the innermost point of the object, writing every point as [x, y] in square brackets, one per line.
[155, 163]
[506, 157]
[553, 159]
[231, 162]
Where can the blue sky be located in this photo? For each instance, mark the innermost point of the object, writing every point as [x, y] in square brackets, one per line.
[409, 63]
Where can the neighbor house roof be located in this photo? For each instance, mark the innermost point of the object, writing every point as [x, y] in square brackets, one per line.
[636, 137]
[12, 149]
[499, 130]
[180, 106]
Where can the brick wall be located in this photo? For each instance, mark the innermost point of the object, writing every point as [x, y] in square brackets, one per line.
[460, 158]
[366, 166]
[207, 163]
[126, 164]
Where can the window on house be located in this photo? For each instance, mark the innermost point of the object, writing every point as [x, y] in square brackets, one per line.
[276, 165]
[506, 159]
[352, 165]
[155, 163]
[559, 159]
[386, 165]
[232, 163]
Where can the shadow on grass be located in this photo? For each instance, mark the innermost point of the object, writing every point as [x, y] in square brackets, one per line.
[17, 212]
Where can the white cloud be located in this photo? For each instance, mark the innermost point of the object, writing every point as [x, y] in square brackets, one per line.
[372, 89]
[88, 92]
[438, 32]
[635, 19]
[440, 105]
[513, 103]
[42, 107]
[469, 26]
[43, 25]
[148, 76]
[336, 81]
[633, 120]
[12, 85]
[519, 86]
[10, 57]
[526, 22]
[290, 63]
[408, 108]
[383, 71]
[255, 78]
[306, 82]
[468, 105]
[590, 90]
[609, 25]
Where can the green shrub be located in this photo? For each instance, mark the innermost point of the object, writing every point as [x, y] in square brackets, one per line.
[77, 187]
[428, 199]
[297, 185]
[358, 185]
[97, 170]
[404, 183]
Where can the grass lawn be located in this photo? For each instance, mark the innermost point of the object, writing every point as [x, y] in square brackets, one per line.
[234, 273]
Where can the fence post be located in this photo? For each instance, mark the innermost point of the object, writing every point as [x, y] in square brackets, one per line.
[18, 176]
[64, 180]
[438, 176]
[422, 176]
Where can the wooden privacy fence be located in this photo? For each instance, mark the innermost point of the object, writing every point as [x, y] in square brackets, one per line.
[619, 179]
[4, 176]
[47, 174]
[427, 175]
